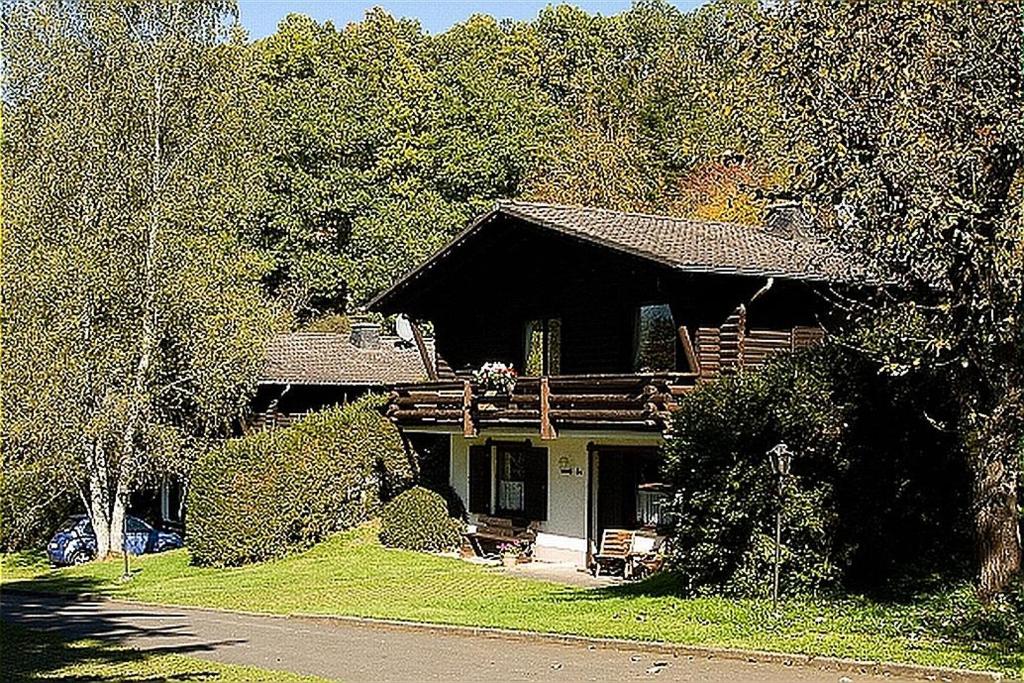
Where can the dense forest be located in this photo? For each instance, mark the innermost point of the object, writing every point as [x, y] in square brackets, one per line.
[174, 192]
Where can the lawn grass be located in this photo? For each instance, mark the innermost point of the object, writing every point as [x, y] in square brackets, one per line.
[47, 656]
[351, 574]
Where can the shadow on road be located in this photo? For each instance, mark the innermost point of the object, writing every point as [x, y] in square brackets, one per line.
[43, 637]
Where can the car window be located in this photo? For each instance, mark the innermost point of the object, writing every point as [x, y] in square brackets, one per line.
[136, 525]
[75, 524]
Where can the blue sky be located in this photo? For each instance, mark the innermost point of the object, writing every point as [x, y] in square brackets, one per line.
[260, 17]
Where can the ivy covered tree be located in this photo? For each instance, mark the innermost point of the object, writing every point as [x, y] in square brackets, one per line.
[907, 122]
[133, 320]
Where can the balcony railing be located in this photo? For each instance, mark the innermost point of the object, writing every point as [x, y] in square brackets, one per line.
[636, 401]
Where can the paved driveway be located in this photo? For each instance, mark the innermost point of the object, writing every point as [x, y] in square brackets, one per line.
[353, 651]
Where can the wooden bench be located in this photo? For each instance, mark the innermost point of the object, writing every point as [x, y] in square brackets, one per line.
[493, 531]
[614, 550]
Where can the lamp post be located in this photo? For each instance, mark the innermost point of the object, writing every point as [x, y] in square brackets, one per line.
[780, 458]
[124, 548]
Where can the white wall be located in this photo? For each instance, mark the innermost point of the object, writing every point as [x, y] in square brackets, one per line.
[563, 536]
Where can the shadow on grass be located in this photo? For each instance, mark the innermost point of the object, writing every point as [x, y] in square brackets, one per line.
[46, 636]
[947, 616]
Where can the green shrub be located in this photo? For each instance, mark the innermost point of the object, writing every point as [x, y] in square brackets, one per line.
[418, 520]
[33, 502]
[272, 492]
[877, 497]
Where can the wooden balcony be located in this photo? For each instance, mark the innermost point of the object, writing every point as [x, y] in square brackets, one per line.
[641, 402]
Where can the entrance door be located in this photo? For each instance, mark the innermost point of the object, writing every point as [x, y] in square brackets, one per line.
[628, 493]
[616, 491]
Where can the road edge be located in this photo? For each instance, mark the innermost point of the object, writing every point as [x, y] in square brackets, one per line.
[838, 665]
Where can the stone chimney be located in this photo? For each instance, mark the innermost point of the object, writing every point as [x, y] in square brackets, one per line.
[790, 220]
[365, 335]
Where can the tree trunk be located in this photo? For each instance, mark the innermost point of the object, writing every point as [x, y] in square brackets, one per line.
[993, 449]
[117, 515]
[99, 499]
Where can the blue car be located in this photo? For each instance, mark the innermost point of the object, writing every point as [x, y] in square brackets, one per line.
[75, 542]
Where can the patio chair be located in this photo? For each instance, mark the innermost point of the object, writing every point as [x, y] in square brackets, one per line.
[646, 556]
[615, 546]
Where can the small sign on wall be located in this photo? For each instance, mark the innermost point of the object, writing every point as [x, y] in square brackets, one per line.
[565, 466]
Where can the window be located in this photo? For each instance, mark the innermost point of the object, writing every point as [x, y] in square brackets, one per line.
[172, 497]
[655, 338]
[511, 481]
[543, 347]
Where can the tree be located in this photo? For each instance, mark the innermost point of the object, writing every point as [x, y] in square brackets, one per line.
[907, 122]
[383, 141]
[133, 322]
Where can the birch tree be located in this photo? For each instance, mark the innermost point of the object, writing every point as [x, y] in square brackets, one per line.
[133, 323]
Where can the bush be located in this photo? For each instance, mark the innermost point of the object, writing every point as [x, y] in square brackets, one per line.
[269, 493]
[33, 502]
[418, 520]
[878, 495]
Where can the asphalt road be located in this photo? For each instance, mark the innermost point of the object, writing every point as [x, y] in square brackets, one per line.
[356, 652]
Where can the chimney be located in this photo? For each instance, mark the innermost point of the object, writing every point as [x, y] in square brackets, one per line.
[789, 220]
[365, 335]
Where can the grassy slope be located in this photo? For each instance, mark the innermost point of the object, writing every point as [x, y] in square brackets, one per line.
[351, 574]
[50, 657]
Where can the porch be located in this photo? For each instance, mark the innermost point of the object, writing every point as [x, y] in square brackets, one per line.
[558, 495]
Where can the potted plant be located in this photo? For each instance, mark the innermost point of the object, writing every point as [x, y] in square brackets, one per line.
[495, 378]
[510, 553]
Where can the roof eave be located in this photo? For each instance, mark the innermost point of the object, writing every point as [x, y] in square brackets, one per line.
[383, 299]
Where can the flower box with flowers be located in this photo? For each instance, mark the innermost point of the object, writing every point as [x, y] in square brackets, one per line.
[495, 378]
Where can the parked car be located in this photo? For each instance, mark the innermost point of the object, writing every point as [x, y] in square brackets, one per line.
[75, 541]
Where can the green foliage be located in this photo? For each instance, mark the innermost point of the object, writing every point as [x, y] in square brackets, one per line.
[383, 140]
[726, 494]
[133, 318]
[30, 509]
[337, 324]
[905, 123]
[877, 499]
[272, 492]
[418, 519]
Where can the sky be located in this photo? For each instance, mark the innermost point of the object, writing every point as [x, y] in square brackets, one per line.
[260, 17]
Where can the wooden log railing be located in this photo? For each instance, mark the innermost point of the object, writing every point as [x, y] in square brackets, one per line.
[635, 401]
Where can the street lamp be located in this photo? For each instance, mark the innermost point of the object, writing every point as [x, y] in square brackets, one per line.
[780, 458]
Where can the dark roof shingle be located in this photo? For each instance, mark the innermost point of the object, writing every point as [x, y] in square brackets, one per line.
[687, 245]
[692, 245]
[332, 359]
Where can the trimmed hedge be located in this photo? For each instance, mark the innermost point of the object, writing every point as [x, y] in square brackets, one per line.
[418, 520]
[266, 494]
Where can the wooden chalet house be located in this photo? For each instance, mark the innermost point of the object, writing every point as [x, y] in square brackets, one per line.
[608, 317]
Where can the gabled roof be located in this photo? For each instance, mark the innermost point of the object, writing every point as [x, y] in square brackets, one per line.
[682, 244]
[328, 358]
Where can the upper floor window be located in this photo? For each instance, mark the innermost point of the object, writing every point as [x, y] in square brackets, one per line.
[543, 347]
[655, 347]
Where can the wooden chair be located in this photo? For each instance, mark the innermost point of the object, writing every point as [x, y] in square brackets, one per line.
[614, 550]
[646, 556]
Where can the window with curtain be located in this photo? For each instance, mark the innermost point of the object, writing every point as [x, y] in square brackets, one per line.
[655, 338]
[511, 481]
[543, 347]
